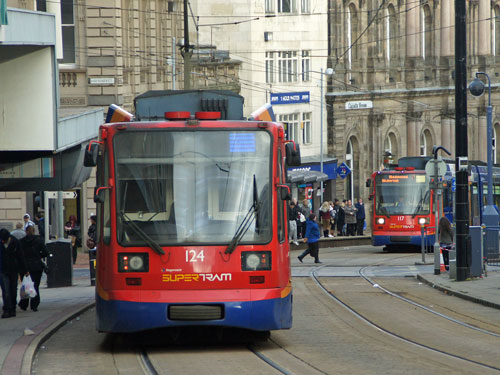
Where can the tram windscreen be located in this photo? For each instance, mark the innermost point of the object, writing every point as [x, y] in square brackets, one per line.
[191, 187]
[402, 194]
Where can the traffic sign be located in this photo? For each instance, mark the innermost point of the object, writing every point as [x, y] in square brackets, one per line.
[453, 185]
[65, 194]
[343, 170]
[430, 168]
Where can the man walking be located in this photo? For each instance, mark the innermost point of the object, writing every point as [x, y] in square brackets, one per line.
[360, 217]
[11, 264]
[293, 214]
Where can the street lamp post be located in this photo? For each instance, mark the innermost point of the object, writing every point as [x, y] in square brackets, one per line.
[328, 72]
[490, 214]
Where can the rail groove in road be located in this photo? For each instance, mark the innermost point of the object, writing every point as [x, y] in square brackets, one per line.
[352, 310]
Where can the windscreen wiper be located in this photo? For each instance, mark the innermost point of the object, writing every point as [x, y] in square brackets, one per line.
[144, 236]
[420, 204]
[246, 222]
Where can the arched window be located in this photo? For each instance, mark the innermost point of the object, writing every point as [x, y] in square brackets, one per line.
[352, 161]
[426, 143]
[352, 33]
[391, 145]
[427, 33]
[391, 35]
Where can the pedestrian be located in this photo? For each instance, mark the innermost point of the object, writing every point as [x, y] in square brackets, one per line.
[340, 219]
[73, 231]
[19, 231]
[324, 213]
[92, 231]
[350, 218]
[445, 239]
[293, 216]
[311, 238]
[27, 220]
[34, 251]
[333, 215]
[306, 211]
[360, 216]
[11, 264]
[40, 222]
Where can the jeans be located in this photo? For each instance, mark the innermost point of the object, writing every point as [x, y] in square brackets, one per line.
[292, 230]
[9, 291]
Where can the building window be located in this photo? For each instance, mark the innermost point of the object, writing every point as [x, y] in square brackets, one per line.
[305, 6]
[287, 6]
[306, 128]
[68, 32]
[287, 66]
[425, 143]
[270, 6]
[496, 151]
[41, 5]
[291, 122]
[306, 66]
[269, 67]
[427, 33]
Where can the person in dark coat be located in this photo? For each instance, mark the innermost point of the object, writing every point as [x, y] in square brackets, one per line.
[92, 232]
[360, 217]
[11, 264]
[311, 238]
[340, 219]
[445, 239]
[34, 251]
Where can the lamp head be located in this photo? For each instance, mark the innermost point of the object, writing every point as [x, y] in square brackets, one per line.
[329, 71]
[476, 87]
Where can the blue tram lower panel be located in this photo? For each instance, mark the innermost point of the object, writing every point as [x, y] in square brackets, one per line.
[126, 316]
[381, 240]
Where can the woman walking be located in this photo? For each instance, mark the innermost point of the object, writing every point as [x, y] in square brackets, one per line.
[311, 238]
[324, 212]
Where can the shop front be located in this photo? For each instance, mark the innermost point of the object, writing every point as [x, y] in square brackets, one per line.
[306, 181]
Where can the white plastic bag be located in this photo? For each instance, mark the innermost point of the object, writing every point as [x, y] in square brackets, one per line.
[27, 288]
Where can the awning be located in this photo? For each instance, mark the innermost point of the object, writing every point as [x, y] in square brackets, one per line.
[304, 176]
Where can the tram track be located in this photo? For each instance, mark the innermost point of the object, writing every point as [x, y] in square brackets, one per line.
[360, 315]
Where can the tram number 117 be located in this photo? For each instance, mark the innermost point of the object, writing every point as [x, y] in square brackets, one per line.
[194, 256]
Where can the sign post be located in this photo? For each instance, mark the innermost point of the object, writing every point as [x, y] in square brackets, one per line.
[436, 169]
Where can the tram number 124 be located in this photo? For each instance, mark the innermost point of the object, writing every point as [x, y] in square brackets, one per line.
[193, 256]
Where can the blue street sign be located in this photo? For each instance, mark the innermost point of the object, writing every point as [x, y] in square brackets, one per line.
[453, 184]
[290, 98]
[343, 170]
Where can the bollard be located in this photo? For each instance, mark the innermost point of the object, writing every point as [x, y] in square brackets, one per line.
[92, 265]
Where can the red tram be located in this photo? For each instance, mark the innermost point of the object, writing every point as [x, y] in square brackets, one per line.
[403, 203]
[192, 226]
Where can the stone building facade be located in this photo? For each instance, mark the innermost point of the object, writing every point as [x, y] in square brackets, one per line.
[393, 89]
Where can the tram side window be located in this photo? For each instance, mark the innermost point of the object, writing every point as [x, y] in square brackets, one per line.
[104, 220]
[280, 208]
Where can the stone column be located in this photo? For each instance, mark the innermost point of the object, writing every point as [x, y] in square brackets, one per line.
[482, 138]
[446, 133]
[484, 27]
[413, 47]
[447, 28]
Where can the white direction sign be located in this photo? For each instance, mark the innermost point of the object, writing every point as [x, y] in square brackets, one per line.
[430, 168]
[65, 194]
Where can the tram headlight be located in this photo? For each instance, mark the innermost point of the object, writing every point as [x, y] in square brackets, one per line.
[380, 220]
[133, 262]
[423, 220]
[255, 260]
